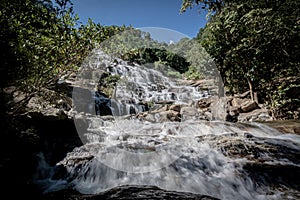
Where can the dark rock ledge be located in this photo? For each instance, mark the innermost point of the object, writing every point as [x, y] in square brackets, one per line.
[127, 192]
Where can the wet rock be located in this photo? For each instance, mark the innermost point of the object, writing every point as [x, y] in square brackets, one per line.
[285, 126]
[259, 149]
[169, 115]
[255, 115]
[249, 106]
[188, 113]
[163, 108]
[204, 103]
[208, 116]
[274, 175]
[237, 102]
[127, 192]
[150, 117]
[175, 107]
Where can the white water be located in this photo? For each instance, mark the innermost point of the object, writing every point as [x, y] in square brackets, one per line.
[191, 156]
[138, 85]
[188, 160]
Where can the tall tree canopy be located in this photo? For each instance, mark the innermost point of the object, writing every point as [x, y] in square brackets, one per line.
[255, 45]
[42, 40]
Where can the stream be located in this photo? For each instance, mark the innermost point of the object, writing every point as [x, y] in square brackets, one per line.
[221, 159]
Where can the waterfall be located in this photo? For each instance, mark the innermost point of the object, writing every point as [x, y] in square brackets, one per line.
[139, 84]
[216, 158]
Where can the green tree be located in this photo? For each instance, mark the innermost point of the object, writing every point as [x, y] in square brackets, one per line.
[40, 43]
[37, 36]
[253, 45]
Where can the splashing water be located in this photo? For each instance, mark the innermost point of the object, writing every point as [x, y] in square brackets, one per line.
[206, 158]
[214, 158]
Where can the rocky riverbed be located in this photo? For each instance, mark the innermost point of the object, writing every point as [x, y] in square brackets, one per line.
[181, 141]
[138, 192]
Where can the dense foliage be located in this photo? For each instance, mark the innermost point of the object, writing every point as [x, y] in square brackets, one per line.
[134, 45]
[187, 57]
[255, 45]
[42, 41]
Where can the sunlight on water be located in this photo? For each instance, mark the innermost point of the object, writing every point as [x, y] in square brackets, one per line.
[215, 158]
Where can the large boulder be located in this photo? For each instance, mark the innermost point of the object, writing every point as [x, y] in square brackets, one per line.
[255, 115]
[249, 106]
[285, 126]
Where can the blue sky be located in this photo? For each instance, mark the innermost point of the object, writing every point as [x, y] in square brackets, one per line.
[141, 13]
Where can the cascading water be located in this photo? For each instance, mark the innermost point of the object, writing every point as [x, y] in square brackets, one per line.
[220, 159]
[141, 84]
